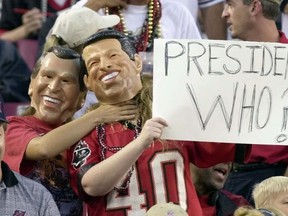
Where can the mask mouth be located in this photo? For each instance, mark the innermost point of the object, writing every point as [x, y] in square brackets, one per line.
[108, 76]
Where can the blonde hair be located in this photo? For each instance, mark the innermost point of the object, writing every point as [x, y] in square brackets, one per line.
[265, 192]
[53, 40]
[250, 211]
[247, 211]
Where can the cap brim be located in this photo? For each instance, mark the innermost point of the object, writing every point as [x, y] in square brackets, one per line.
[109, 21]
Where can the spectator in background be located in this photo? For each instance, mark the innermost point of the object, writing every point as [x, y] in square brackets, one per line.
[260, 23]
[18, 194]
[254, 20]
[272, 192]
[208, 17]
[14, 74]
[209, 183]
[23, 18]
[21, 21]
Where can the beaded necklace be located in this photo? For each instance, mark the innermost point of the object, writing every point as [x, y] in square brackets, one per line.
[104, 148]
[151, 27]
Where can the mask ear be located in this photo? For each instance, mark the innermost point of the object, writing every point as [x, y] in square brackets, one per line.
[85, 79]
[81, 101]
[138, 64]
[30, 89]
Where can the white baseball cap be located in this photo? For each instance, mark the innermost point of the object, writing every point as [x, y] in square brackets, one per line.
[166, 209]
[74, 26]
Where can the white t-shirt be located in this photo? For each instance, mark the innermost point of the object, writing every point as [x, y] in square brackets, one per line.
[194, 5]
[285, 23]
[176, 21]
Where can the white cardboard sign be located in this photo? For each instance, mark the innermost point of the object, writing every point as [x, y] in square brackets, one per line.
[222, 91]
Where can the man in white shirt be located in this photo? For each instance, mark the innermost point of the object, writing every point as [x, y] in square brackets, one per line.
[214, 27]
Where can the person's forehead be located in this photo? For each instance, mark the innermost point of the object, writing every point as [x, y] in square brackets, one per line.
[101, 47]
[54, 63]
[233, 1]
[281, 196]
[51, 57]
[104, 44]
[56, 66]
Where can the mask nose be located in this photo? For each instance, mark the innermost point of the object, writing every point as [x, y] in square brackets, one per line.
[54, 85]
[105, 63]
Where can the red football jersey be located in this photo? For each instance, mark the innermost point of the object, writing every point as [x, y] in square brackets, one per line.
[161, 174]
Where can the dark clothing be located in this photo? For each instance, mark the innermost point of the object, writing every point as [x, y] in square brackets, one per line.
[283, 5]
[241, 181]
[221, 203]
[9, 178]
[14, 74]
[47, 25]
[11, 20]
[227, 203]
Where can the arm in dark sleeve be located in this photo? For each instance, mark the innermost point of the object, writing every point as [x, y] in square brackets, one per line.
[9, 19]
[14, 74]
[44, 31]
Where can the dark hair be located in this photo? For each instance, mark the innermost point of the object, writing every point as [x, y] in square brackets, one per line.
[63, 53]
[271, 9]
[283, 5]
[126, 43]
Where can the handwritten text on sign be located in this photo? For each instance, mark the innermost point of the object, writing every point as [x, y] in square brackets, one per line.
[222, 91]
